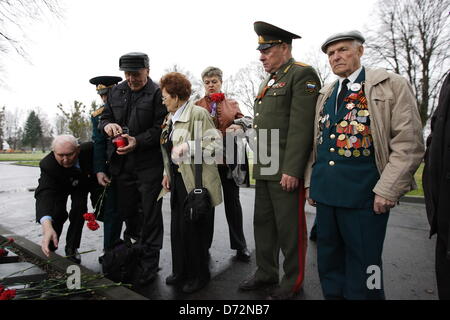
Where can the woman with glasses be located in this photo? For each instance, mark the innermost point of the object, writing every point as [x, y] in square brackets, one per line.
[184, 124]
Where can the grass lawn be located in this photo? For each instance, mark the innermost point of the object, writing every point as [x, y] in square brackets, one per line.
[418, 177]
[23, 159]
[22, 156]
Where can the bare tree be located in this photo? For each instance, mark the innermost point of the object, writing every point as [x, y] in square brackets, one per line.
[14, 16]
[412, 39]
[319, 61]
[197, 85]
[245, 84]
[78, 122]
[13, 130]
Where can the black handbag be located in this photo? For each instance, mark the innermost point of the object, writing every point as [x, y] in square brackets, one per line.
[197, 204]
[120, 262]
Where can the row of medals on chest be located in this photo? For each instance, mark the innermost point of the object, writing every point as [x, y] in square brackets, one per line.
[356, 122]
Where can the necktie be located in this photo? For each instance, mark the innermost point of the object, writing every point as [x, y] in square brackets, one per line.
[342, 93]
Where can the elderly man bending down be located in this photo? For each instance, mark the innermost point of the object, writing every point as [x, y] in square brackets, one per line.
[67, 170]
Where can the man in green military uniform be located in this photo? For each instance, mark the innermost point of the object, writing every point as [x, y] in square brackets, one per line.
[367, 145]
[283, 111]
[112, 225]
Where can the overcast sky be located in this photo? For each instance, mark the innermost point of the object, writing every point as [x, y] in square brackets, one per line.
[93, 34]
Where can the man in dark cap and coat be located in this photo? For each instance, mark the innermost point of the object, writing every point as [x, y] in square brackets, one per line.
[283, 127]
[367, 145]
[134, 111]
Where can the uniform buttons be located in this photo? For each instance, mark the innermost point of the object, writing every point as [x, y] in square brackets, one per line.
[254, 138]
[333, 136]
[257, 115]
[331, 163]
[255, 126]
[259, 102]
[332, 150]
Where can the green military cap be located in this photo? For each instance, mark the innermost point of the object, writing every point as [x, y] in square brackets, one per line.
[103, 83]
[347, 35]
[270, 35]
[133, 61]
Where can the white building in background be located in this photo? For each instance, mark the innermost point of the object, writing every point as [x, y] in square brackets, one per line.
[5, 145]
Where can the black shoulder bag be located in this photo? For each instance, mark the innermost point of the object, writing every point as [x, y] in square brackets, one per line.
[198, 202]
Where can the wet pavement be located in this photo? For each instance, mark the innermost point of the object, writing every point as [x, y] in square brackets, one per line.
[408, 258]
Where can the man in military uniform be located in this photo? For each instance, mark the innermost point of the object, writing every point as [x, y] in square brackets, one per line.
[112, 224]
[367, 145]
[283, 115]
[137, 167]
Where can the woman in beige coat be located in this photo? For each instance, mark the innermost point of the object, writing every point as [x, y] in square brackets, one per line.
[185, 123]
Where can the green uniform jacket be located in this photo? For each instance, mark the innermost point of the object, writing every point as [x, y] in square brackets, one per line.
[289, 106]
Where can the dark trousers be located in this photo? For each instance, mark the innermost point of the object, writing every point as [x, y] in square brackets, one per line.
[233, 211]
[349, 241]
[77, 209]
[140, 188]
[112, 223]
[189, 240]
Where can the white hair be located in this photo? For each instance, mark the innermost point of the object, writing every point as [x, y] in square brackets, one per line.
[64, 138]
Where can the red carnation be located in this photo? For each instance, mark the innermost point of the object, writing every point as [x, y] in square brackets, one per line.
[89, 216]
[8, 294]
[93, 225]
[217, 97]
[3, 252]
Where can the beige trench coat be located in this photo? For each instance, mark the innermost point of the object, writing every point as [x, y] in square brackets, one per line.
[396, 130]
[211, 143]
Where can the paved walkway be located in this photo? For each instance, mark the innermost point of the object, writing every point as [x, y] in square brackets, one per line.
[408, 258]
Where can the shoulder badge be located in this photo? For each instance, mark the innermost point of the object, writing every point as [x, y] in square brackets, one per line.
[301, 64]
[97, 112]
[311, 86]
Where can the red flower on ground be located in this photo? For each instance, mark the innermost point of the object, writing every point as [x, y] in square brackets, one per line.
[3, 253]
[217, 97]
[88, 216]
[93, 225]
[8, 294]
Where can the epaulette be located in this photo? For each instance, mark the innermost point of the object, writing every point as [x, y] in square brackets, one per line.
[97, 112]
[301, 64]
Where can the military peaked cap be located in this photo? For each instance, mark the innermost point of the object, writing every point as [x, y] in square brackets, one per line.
[347, 35]
[103, 83]
[133, 61]
[270, 35]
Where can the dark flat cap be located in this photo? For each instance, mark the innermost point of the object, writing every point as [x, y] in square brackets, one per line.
[103, 83]
[347, 35]
[133, 61]
[270, 35]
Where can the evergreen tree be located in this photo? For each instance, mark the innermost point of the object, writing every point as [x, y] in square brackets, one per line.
[33, 130]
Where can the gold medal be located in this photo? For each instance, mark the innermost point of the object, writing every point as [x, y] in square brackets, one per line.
[361, 127]
[354, 123]
[366, 113]
[356, 153]
[341, 152]
[343, 124]
[361, 113]
[342, 137]
[366, 152]
[348, 153]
